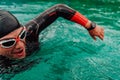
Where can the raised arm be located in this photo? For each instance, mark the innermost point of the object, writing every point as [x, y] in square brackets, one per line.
[61, 10]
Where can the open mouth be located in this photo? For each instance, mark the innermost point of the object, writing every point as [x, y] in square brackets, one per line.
[19, 53]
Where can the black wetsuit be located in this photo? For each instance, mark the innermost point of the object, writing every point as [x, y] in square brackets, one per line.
[34, 27]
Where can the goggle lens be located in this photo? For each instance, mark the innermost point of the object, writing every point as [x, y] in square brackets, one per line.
[8, 44]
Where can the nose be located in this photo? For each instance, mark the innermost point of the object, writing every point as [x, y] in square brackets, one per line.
[19, 44]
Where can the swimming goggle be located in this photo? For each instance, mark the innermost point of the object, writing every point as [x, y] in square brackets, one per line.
[8, 43]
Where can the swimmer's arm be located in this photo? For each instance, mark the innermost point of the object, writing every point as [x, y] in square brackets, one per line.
[61, 10]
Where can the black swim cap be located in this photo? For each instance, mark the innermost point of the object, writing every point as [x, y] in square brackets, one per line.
[8, 23]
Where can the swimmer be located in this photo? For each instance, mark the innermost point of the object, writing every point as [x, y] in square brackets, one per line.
[17, 40]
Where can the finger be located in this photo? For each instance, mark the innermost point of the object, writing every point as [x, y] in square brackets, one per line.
[102, 30]
[102, 34]
[101, 37]
[94, 37]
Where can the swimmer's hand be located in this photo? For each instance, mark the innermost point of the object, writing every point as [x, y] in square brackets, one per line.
[97, 32]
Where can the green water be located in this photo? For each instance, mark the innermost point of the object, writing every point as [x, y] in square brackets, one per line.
[67, 51]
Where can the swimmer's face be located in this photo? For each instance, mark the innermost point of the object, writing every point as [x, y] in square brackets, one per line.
[13, 44]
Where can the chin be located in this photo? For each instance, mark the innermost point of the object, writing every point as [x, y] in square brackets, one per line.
[21, 57]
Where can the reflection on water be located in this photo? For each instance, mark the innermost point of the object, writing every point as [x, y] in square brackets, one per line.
[67, 51]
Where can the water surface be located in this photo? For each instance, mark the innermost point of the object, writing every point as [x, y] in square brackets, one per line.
[67, 51]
